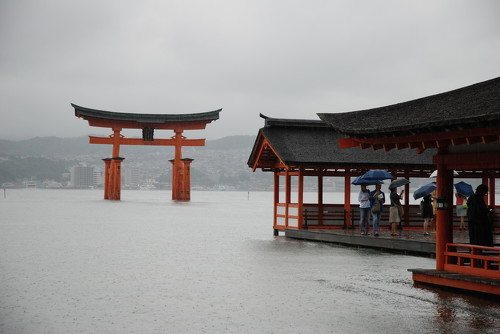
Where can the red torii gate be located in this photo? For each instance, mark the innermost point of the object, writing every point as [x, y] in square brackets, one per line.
[118, 121]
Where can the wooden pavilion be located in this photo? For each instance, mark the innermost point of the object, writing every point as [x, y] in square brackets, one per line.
[463, 128]
[148, 123]
[303, 150]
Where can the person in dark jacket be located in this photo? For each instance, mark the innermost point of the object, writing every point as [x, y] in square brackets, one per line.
[479, 224]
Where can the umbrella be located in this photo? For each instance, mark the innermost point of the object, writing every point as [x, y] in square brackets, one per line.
[435, 173]
[377, 174]
[464, 189]
[424, 190]
[398, 183]
[361, 180]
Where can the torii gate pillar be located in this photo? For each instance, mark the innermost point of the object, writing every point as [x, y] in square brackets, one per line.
[181, 179]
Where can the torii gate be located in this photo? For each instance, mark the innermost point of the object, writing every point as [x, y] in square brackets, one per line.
[118, 121]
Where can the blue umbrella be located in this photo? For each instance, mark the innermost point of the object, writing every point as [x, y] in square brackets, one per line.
[424, 190]
[464, 189]
[361, 180]
[377, 174]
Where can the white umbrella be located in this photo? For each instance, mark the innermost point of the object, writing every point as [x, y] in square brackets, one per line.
[435, 173]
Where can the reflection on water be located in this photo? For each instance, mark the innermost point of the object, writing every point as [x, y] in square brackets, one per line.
[451, 306]
[71, 262]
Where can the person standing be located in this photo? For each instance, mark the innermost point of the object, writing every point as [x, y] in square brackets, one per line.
[427, 212]
[434, 209]
[394, 216]
[479, 224]
[364, 210]
[461, 209]
[377, 199]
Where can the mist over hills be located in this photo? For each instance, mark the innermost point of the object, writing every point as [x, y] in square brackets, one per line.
[222, 162]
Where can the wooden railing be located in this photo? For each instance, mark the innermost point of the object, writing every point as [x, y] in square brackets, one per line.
[333, 216]
[473, 260]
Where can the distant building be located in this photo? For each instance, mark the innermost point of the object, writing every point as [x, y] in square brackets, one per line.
[84, 177]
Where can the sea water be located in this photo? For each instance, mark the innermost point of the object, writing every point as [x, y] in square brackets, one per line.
[71, 262]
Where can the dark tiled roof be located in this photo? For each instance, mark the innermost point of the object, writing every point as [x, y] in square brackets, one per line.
[314, 143]
[145, 118]
[468, 107]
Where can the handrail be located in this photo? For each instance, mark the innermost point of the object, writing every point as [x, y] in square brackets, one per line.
[473, 260]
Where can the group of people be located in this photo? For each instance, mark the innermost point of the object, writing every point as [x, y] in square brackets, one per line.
[372, 202]
[474, 207]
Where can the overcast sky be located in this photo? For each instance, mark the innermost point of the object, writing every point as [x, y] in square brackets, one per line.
[285, 59]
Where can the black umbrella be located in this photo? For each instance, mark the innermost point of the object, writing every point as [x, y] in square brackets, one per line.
[398, 183]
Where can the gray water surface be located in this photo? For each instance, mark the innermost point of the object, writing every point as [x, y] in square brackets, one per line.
[71, 262]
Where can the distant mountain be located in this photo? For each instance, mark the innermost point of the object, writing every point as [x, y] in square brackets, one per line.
[222, 162]
[43, 146]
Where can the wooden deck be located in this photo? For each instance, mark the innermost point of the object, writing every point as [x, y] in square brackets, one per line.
[408, 241]
[457, 281]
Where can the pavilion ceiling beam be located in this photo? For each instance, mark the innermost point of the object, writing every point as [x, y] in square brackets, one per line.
[365, 145]
[458, 141]
[400, 146]
[388, 147]
[489, 139]
[486, 160]
[443, 143]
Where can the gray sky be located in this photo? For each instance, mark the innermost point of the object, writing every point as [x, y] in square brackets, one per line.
[285, 59]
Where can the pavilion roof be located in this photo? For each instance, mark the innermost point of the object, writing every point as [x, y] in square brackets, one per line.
[475, 106]
[88, 113]
[313, 143]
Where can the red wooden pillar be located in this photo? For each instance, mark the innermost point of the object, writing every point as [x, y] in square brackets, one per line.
[320, 198]
[111, 183]
[347, 197]
[177, 166]
[484, 180]
[276, 200]
[491, 189]
[114, 181]
[186, 179]
[107, 166]
[407, 206]
[174, 188]
[288, 195]
[117, 178]
[300, 198]
[444, 218]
